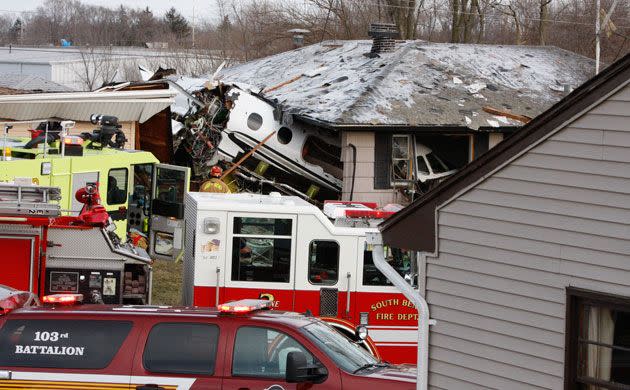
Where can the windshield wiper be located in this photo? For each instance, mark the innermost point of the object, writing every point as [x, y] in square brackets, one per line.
[370, 365]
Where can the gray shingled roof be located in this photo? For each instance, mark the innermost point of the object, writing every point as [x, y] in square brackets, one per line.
[418, 84]
[29, 82]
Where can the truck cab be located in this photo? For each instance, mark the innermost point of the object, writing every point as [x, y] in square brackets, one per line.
[141, 195]
[284, 249]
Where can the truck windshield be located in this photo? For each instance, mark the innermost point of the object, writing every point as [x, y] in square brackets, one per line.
[346, 354]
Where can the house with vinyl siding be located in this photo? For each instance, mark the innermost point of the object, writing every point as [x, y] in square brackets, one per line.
[525, 253]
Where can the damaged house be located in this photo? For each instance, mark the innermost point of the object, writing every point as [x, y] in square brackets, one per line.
[381, 120]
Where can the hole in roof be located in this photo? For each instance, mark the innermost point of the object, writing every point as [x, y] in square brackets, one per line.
[285, 135]
[254, 121]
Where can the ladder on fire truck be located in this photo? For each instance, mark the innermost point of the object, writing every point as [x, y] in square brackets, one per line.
[18, 199]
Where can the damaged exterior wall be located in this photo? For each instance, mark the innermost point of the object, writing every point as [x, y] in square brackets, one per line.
[364, 178]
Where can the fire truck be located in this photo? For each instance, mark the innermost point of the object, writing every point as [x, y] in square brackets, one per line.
[284, 249]
[140, 195]
[45, 252]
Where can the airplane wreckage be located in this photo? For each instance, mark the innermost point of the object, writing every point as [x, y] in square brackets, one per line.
[237, 140]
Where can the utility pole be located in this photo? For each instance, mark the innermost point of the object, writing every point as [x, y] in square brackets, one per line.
[598, 30]
[193, 26]
[598, 33]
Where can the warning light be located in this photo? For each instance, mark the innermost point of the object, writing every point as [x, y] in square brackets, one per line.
[245, 306]
[63, 299]
[376, 214]
[73, 140]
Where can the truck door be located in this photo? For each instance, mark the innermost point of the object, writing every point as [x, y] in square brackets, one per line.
[260, 258]
[18, 262]
[166, 234]
[325, 274]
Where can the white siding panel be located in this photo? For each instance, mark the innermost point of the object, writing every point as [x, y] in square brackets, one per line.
[618, 138]
[498, 355]
[599, 121]
[569, 179]
[502, 266]
[499, 298]
[519, 378]
[553, 220]
[497, 311]
[539, 234]
[571, 149]
[546, 205]
[587, 136]
[558, 216]
[612, 107]
[501, 283]
[556, 191]
[484, 336]
[573, 164]
[478, 321]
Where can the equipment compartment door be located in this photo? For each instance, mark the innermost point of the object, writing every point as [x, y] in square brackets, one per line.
[166, 236]
[18, 262]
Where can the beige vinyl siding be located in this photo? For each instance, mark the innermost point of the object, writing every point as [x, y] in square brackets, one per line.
[364, 178]
[555, 217]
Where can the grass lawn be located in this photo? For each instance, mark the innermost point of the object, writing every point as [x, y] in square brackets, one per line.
[167, 283]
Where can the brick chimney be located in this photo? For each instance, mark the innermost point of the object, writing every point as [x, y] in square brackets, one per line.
[383, 36]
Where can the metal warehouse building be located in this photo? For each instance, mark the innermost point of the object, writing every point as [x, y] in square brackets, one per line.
[87, 68]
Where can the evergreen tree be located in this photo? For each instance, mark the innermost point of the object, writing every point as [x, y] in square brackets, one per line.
[15, 32]
[176, 23]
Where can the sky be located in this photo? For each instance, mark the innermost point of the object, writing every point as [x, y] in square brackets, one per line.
[205, 9]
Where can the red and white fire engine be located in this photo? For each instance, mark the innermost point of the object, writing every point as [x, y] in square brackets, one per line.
[285, 249]
[46, 253]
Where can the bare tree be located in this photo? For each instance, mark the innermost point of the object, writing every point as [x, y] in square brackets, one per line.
[98, 66]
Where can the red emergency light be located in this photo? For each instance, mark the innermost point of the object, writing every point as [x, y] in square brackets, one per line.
[63, 299]
[375, 214]
[371, 205]
[245, 306]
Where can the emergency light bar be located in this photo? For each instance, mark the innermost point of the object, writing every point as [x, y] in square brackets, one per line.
[63, 299]
[375, 214]
[245, 306]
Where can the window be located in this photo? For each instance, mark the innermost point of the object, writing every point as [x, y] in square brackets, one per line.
[182, 348]
[261, 249]
[117, 186]
[170, 185]
[163, 244]
[346, 354]
[422, 166]
[323, 262]
[403, 262]
[262, 352]
[254, 121]
[402, 158]
[61, 343]
[437, 165]
[598, 339]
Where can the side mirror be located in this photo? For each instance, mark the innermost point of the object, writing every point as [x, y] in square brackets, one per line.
[298, 371]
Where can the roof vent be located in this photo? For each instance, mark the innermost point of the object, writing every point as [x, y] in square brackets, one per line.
[383, 35]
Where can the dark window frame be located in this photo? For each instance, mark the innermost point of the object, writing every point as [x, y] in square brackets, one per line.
[308, 271]
[124, 189]
[275, 237]
[577, 297]
[72, 327]
[182, 372]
